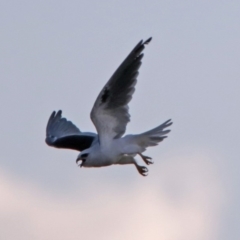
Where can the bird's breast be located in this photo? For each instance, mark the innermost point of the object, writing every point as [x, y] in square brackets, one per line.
[101, 157]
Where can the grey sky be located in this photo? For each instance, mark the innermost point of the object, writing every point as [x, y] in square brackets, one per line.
[58, 55]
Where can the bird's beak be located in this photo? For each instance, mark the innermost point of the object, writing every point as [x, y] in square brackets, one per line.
[80, 159]
[81, 163]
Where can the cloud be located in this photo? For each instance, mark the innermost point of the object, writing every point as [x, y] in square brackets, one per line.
[182, 203]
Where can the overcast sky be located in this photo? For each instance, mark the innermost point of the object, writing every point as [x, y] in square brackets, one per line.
[58, 55]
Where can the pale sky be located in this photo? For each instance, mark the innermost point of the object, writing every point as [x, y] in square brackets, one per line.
[58, 55]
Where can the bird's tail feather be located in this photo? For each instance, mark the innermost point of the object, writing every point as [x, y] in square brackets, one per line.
[138, 143]
[154, 136]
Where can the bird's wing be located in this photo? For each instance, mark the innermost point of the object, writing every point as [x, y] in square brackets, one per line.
[110, 111]
[62, 133]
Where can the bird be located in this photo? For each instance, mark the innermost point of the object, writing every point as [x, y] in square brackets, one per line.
[110, 115]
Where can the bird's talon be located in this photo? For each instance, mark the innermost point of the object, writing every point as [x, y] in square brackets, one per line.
[142, 170]
[146, 159]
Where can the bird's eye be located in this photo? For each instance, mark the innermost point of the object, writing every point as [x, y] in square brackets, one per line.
[84, 155]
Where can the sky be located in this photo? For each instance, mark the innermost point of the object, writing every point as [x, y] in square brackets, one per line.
[58, 55]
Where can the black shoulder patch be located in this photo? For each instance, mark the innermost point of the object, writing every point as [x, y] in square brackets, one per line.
[105, 95]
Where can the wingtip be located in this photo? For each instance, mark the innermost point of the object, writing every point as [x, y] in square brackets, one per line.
[52, 114]
[53, 117]
[59, 113]
[148, 41]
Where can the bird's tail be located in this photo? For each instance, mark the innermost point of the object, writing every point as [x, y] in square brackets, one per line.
[139, 143]
[154, 136]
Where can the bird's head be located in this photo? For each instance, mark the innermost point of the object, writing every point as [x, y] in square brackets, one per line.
[82, 157]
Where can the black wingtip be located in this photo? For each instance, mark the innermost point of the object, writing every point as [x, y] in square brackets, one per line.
[51, 118]
[52, 115]
[59, 113]
[140, 46]
[148, 41]
[55, 115]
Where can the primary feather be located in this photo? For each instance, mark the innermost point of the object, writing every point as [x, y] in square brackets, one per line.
[110, 111]
[61, 133]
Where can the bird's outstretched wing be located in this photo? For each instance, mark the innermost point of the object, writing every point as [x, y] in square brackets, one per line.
[61, 133]
[110, 111]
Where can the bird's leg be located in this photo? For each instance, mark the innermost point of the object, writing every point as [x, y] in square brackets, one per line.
[142, 170]
[146, 159]
[130, 160]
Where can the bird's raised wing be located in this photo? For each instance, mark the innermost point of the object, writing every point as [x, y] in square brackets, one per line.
[61, 133]
[110, 111]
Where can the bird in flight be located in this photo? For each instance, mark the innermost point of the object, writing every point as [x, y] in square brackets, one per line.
[110, 115]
